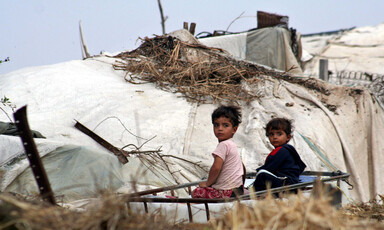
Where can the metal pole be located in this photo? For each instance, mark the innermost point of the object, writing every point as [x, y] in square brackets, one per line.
[33, 156]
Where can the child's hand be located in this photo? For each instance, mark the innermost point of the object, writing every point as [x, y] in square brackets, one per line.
[203, 184]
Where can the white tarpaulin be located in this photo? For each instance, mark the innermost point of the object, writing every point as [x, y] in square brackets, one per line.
[267, 46]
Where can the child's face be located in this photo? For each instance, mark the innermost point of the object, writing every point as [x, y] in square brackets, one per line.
[278, 137]
[223, 128]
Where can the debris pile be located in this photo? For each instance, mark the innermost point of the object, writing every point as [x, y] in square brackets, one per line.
[198, 72]
[202, 74]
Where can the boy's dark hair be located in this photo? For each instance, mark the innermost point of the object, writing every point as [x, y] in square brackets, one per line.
[279, 123]
[233, 113]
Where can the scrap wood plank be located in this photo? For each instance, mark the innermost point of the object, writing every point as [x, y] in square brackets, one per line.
[121, 154]
[191, 28]
[37, 167]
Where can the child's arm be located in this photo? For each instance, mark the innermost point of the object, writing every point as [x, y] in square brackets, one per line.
[245, 172]
[214, 172]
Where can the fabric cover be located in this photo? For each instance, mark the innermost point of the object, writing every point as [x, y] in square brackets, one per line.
[267, 46]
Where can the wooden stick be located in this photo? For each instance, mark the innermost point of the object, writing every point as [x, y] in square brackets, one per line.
[121, 154]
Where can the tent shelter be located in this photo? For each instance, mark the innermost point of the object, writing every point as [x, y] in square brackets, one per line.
[350, 50]
[336, 127]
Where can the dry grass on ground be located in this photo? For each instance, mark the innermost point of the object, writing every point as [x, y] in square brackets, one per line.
[296, 212]
[293, 212]
[373, 209]
[110, 213]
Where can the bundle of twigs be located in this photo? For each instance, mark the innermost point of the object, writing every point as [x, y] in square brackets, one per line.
[198, 72]
[152, 158]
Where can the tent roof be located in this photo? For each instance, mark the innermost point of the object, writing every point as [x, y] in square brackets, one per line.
[359, 50]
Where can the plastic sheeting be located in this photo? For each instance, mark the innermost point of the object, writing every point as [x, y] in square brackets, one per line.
[267, 46]
[235, 44]
[74, 172]
[9, 128]
[79, 172]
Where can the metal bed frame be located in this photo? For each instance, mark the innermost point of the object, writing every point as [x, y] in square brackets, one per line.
[316, 177]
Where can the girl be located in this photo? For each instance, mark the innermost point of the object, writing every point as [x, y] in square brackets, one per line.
[226, 174]
[283, 165]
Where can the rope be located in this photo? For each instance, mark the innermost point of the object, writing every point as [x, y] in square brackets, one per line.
[349, 198]
[324, 159]
[320, 154]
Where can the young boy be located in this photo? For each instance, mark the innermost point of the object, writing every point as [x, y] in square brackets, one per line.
[226, 174]
[283, 165]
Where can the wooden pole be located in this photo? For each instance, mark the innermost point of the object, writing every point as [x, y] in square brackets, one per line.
[163, 19]
[192, 28]
[84, 48]
[323, 70]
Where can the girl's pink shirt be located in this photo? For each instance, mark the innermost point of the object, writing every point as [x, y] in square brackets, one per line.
[232, 171]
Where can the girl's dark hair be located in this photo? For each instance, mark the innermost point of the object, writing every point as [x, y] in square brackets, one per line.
[233, 113]
[279, 123]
